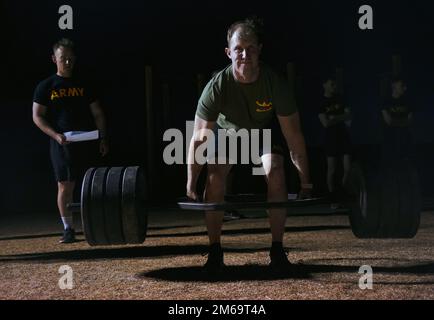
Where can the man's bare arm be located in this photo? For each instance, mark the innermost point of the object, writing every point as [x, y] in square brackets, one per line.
[100, 122]
[333, 120]
[39, 112]
[99, 117]
[396, 122]
[194, 168]
[291, 130]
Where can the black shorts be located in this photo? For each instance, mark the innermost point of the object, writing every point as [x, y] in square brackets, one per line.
[71, 161]
[397, 143]
[278, 143]
[338, 144]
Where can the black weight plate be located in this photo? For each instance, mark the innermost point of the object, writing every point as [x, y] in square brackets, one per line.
[134, 213]
[389, 216]
[417, 203]
[85, 206]
[364, 190]
[410, 202]
[97, 206]
[112, 206]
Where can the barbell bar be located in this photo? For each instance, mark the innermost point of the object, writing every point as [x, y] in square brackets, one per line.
[201, 206]
[384, 202]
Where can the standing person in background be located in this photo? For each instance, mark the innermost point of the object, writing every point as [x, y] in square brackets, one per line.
[62, 103]
[397, 115]
[335, 117]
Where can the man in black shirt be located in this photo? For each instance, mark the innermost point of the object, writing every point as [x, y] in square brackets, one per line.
[63, 103]
[335, 117]
[397, 117]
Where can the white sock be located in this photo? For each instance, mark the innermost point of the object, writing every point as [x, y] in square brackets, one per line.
[68, 222]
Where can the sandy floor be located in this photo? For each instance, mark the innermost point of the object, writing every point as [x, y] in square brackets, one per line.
[167, 265]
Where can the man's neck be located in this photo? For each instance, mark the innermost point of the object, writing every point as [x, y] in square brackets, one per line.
[396, 95]
[64, 74]
[328, 95]
[248, 77]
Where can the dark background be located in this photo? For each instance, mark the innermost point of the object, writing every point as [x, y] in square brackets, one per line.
[181, 39]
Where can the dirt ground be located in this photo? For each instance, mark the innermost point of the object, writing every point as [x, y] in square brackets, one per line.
[168, 265]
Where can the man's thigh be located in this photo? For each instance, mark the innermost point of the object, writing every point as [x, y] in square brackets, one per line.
[219, 170]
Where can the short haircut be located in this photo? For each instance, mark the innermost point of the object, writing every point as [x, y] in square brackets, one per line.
[64, 42]
[253, 26]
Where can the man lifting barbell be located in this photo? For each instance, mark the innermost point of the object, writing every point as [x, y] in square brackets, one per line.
[248, 94]
[63, 103]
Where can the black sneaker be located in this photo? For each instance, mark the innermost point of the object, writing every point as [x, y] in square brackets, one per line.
[214, 264]
[279, 263]
[335, 206]
[68, 236]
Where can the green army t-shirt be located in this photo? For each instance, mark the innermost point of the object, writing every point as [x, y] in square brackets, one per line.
[251, 106]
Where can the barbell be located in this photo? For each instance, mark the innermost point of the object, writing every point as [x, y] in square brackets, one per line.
[383, 202]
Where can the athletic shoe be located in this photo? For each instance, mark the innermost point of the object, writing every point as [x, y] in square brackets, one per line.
[68, 236]
[279, 263]
[214, 265]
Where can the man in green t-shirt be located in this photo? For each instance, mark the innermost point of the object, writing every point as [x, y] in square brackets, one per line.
[248, 95]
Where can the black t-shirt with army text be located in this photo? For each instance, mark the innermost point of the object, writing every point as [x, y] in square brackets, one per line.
[398, 108]
[333, 106]
[68, 103]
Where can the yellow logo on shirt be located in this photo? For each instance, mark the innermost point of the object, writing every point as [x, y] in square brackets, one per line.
[398, 109]
[70, 92]
[264, 106]
[333, 108]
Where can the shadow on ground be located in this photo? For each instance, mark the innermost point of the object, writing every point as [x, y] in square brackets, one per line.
[59, 234]
[230, 274]
[121, 253]
[260, 272]
[138, 252]
[191, 234]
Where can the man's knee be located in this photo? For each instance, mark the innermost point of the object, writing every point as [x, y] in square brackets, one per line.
[276, 171]
[347, 169]
[216, 185]
[66, 187]
[331, 167]
[331, 171]
[276, 175]
[218, 173]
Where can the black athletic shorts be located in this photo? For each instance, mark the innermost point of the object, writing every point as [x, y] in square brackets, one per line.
[338, 144]
[71, 161]
[397, 143]
[278, 142]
